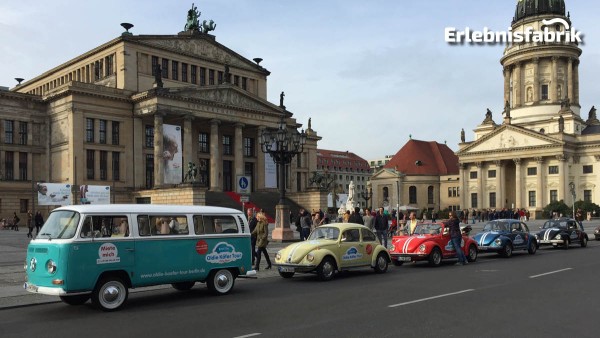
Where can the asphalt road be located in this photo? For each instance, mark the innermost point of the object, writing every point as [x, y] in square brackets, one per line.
[549, 294]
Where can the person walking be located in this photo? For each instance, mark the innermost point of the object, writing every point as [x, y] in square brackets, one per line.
[381, 226]
[453, 225]
[16, 220]
[368, 220]
[252, 221]
[29, 224]
[262, 239]
[305, 224]
[39, 221]
[356, 217]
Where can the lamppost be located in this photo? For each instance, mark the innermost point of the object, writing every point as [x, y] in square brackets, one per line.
[282, 144]
[367, 194]
[572, 188]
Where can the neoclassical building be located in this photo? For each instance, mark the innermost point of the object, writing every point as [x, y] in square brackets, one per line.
[542, 150]
[119, 114]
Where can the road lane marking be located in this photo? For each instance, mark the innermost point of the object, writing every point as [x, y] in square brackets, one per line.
[249, 335]
[430, 298]
[549, 273]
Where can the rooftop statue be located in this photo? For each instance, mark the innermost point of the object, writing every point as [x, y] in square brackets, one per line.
[208, 26]
[193, 24]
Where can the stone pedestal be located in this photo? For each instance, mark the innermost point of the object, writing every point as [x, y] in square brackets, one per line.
[282, 231]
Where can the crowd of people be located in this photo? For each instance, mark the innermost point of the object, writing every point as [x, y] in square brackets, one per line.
[33, 221]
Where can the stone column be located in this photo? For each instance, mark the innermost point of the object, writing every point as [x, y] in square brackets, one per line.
[188, 154]
[463, 185]
[238, 151]
[519, 188]
[499, 185]
[506, 71]
[569, 79]
[536, 80]
[260, 161]
[540, 184]
[479, 185]
[575, 98]
[554, 85]
[159, 166]
[562, 174]
[517, 101]
[215, 156]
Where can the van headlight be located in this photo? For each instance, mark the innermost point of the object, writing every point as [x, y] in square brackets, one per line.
[51, 266]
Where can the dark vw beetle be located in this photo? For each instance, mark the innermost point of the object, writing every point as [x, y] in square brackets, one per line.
[563, 232]
[597, 233]
[504, 236]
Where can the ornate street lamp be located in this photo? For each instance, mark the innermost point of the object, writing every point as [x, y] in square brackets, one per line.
[282, 144]
[367, 194]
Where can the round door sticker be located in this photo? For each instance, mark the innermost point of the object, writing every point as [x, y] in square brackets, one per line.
[202, 247]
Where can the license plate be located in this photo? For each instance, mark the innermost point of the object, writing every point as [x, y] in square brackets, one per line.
[483, 248]
[404, 259]
[30, 287]
[286, 269]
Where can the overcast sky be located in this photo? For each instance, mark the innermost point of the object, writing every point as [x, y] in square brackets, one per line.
[368, 73]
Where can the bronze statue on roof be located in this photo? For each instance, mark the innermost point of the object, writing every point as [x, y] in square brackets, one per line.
[193, 22]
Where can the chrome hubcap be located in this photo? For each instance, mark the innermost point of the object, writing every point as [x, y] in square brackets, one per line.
[110, 294]
[222, 281]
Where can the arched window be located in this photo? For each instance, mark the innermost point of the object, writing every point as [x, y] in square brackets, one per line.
[412, 194]
[430, 195]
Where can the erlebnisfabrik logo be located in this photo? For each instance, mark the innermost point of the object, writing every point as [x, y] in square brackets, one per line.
[488, 36]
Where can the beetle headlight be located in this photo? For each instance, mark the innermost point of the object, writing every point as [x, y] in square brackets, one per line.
[278, 256]
[498, 241]
[558, 236]
[422, 248]
[51, 266]
[310, 257]
[392, 247]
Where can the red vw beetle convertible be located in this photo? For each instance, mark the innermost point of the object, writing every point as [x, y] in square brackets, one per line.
[431, 242]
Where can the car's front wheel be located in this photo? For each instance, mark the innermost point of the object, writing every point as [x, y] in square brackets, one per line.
[381, 264]
[110, 294]
[220, 282]
[584, 241]
[566, 244]
[472, 257]
[326, 269]
[507, 250]
[435, 257]
[532, 248]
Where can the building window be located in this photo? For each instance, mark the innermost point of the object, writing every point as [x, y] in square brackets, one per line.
[23, 133]
[474, 200]
[165, 68]
[544, 95]
[175, 70]
[9, 130]
[491, 173]
[203, 144]
[227, 149]
[473, 175]
[248, 147]
[532, 171]
[23, 205]
[588, 169]
[430, 195]
[587, 196]
[23, 166]
[553, 196]
[219, 77]
[149, 136]
[412, 194]
[115, 132]
[193, 75]
[236, 80]
[202, 76]
[9, 165]
[102, 130]
[103, 165]
[184, 68]
[154, 64]
[532, 202]
[211, 77]
[149, 171]
[98, 70]
[89, 130]
[492, 200]
[116, 163]
[89, 164]
[109, 65]
[553, 169]
[244, 83]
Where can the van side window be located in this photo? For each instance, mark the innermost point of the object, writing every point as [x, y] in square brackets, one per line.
[199, 225]
[168, 225]
[105, 226]
[143, 225]
[220, 224]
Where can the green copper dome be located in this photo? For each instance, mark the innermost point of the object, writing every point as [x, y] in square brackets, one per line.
[528, 8]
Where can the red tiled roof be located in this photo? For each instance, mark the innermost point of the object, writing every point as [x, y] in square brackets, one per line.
[435, 159]
[345, 159]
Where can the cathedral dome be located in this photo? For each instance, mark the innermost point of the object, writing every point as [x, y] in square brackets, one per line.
[529, 8]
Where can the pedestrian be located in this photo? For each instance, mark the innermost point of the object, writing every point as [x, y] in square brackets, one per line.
[368, 220]
[29, 224]
[381, 225]
[252, 221]
[356, 217]
[316, 221]
[39, 221]
[305, 224]
[16, 220]
[262, 239]
[346, 217]
[453, 225]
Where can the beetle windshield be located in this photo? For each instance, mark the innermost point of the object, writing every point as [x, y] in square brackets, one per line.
[60, 224]
[324, 232]
[427, 229]
[555, 224]
[496, 226]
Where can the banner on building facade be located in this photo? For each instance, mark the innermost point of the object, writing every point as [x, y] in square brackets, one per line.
[53, 193]
[270, 172]
[171, 156]
[94, 194]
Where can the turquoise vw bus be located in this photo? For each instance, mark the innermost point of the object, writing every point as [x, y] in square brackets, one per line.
[101, 251]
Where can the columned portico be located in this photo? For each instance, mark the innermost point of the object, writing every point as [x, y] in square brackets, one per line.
[554, 84]
[562, 171]
[187, 140]
[479, 185]
[536, 80]
[159, 170]
[540, 194]
[463, 185]
[499, 184]
[238, 150]
[215, 156]
[518, 184]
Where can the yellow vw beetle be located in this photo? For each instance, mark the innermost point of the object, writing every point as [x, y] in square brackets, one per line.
[331, 248]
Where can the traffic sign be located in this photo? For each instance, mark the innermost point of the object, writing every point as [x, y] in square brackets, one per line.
[243, 185]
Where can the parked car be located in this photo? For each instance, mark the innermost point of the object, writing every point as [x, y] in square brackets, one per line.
[430, 242]
[332, 248]
[597, 233]
[562, 232]
[504, 236]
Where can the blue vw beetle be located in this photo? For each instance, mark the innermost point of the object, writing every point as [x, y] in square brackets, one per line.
[504, 236]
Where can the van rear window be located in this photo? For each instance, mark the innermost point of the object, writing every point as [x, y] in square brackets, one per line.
[215, 224]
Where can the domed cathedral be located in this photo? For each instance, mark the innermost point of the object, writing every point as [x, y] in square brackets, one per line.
[542, 150]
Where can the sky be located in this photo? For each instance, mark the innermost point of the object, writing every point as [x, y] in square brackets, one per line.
[370, 74]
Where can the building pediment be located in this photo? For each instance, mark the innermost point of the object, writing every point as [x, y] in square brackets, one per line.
[509, 137]
[385, 174]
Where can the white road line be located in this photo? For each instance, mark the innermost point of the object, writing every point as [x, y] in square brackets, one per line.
[549, 273]
[249, 335]
[430, 298]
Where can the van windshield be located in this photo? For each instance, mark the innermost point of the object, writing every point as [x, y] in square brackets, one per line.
[60, 224]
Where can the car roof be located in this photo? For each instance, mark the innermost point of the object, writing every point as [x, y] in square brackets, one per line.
[344, 226]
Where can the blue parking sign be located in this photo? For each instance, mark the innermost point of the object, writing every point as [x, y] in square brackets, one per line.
[243, 185]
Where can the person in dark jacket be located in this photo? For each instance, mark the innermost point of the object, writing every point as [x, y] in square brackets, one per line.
[453, 225]
[356, 217]
[251, 225]
[39, 221]
[382, 226]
